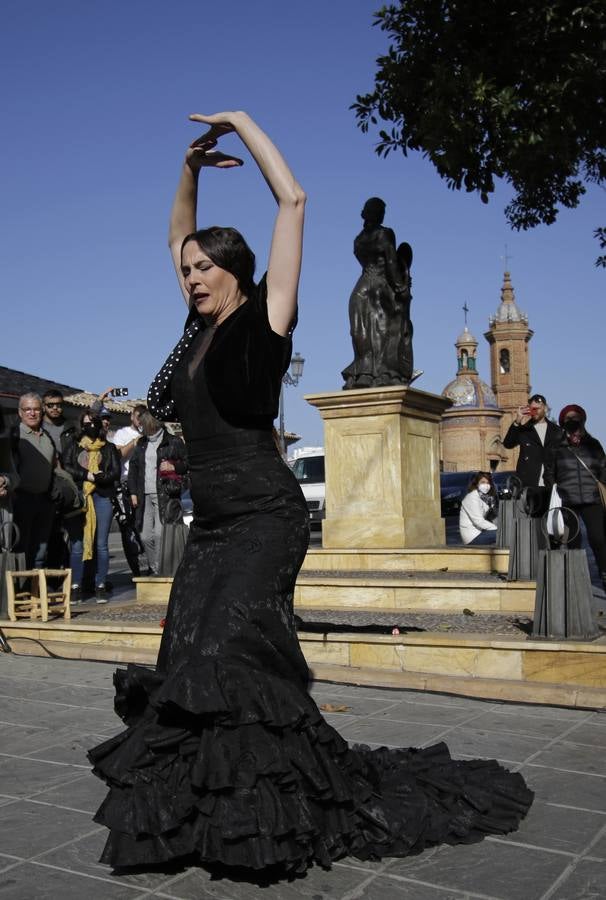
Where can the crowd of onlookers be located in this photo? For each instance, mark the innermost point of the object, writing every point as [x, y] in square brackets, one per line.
[62, 485]
[559, 465]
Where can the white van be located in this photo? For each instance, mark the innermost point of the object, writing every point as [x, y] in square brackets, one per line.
[308, 467]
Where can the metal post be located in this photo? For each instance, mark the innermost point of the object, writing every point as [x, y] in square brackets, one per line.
[282, 437]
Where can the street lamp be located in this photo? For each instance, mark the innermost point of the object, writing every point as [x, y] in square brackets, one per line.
[292, 378]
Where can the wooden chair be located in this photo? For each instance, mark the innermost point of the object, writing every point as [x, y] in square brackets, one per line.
[35, 600]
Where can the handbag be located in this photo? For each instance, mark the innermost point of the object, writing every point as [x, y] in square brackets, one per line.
[173, 539]
[601, 485]
[555, 518]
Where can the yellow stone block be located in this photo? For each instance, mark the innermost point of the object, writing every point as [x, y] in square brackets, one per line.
[376, 656]
[517, 599]
[346, 596]
[456, 559]
[447, 598]
[442, 660]
[326, 652]
[588, 669]
[498, 664]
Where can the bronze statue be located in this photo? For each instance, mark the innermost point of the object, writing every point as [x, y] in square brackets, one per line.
[379, 306]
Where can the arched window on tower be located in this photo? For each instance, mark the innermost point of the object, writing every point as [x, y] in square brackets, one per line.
[504, 361]
[464, 358]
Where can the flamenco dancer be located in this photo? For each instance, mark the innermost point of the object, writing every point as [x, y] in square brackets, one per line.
[226, 759]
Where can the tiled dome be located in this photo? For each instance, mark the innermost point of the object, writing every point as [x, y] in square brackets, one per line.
[470, 393]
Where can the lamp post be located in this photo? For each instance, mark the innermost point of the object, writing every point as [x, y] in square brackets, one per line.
[292, 378]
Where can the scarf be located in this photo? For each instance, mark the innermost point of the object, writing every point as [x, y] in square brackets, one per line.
[93, 448]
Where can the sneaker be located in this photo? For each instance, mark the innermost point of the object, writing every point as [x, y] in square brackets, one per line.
[101, 593]
[75, 596]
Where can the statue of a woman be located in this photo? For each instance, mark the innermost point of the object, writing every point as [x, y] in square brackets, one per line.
[379, 306]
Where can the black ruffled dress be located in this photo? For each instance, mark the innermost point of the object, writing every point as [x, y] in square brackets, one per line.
[226, 758]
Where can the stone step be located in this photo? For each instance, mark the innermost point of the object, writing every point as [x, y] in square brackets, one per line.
[390, 590]
[411, 591]
[506, 667]
[456, 559]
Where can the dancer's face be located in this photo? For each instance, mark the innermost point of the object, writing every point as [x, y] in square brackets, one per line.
[213, 291]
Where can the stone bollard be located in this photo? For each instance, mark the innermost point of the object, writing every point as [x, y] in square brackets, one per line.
[527, 538]
[563, 598]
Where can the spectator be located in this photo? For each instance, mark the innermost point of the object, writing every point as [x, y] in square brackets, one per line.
[125, 440]
[94, 463]
[35, 459]
[575, 465]
[105, 416]
[155, 474]
[54, 422]
[478, 511]
[9, 479]
[534, 434]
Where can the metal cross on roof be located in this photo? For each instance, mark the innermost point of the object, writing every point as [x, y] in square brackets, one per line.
[465, 310]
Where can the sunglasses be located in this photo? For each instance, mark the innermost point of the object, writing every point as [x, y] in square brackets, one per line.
[54, 405]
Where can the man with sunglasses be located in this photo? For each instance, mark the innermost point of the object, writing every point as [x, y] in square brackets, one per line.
[54, 422]
[535, 435]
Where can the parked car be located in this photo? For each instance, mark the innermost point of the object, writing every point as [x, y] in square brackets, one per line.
[308, 469]
[188, 506]
[453, 487]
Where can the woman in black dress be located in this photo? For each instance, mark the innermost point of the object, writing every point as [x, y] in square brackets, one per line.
[226, 758]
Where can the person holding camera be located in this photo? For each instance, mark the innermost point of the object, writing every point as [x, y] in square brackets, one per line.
[535, 435]
[479, 511]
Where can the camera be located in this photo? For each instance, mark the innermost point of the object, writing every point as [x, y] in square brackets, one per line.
[119, 392]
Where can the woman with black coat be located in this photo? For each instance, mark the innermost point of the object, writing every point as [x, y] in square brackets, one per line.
[94, 464]
[575, 465]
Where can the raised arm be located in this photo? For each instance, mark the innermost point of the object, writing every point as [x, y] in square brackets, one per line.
[183, 214]
[284, 265]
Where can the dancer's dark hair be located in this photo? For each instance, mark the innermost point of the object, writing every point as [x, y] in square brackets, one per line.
[227, 249]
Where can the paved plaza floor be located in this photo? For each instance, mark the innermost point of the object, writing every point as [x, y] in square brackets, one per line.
[52, 710]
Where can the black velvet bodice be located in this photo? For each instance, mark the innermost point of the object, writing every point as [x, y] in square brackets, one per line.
[243, 366]
[200, 419]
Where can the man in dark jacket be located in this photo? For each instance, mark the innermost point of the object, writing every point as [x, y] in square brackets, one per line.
[35, 459]
[155, 474]
[535, 435]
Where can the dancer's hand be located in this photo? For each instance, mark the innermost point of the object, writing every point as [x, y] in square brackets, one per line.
[201, 154]
[220, 123]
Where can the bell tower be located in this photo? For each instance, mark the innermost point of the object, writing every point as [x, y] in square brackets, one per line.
[508, 336]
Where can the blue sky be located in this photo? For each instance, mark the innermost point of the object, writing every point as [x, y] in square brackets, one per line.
[95, 98]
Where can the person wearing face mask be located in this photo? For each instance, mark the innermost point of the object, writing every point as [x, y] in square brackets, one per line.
[478, 511]
[94, 464]
[575, 465]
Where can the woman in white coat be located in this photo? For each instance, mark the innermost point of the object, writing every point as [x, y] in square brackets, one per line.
[478, 511]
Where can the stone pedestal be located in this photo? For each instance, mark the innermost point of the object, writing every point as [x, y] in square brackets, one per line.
[382, 455]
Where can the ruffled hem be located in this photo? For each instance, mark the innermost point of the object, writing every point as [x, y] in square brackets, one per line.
[231, 765]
